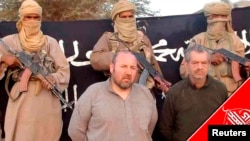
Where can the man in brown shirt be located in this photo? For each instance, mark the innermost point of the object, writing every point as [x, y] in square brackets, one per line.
[192, 100]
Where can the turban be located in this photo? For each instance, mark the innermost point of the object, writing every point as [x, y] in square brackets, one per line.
[30, 7]
[122, 5]
[30, 34]
[26, 8]
[219, 8]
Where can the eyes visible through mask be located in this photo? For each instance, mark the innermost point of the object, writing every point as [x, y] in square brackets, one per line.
[126, 14]
[214, 16]
[30, 17]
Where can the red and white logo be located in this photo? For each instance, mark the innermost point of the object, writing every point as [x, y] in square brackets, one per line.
[234, 111]
[237, 116]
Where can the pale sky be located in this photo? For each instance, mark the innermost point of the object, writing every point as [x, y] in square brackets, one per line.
[179, 7]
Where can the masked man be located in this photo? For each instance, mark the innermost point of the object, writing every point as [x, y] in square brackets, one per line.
[220, 34]
[33, 113]
[125, 37]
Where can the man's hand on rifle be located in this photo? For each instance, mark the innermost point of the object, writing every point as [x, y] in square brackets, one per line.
[162, 85]
[48, 82]
[217, 58]
[247, 66]
[11, 61]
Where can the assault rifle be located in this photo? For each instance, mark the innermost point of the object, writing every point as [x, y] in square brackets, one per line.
[149, 70]
[34, 68]
[231, 56]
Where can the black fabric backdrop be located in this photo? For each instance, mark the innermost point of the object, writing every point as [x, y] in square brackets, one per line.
[171, 32]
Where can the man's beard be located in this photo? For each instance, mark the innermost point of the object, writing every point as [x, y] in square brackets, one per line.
[199, 75]
[123, 85]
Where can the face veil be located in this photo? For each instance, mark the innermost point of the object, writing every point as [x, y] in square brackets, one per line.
[30, 34]
[125, 27]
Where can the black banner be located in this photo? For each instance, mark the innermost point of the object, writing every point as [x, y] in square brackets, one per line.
[169, 36]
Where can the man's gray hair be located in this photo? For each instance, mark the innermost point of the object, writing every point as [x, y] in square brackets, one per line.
[196, 48]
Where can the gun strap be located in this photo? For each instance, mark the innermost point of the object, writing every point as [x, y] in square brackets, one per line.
[7, 80]
[119, 40]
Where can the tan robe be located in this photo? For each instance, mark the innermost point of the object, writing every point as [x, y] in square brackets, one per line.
[36, 116]
[103, 53]
[223, 71]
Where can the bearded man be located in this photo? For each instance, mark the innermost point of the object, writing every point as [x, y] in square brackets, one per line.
[33, 114]
[220, 34]
[191, 101]
[116, 109]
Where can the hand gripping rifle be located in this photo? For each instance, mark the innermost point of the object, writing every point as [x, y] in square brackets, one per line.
[34, 68]
[228, 54]
[149, 70]
[231, 56]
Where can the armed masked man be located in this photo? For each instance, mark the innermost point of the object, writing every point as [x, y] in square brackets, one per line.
[33, 112]
[125, 37]
[220, 34]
